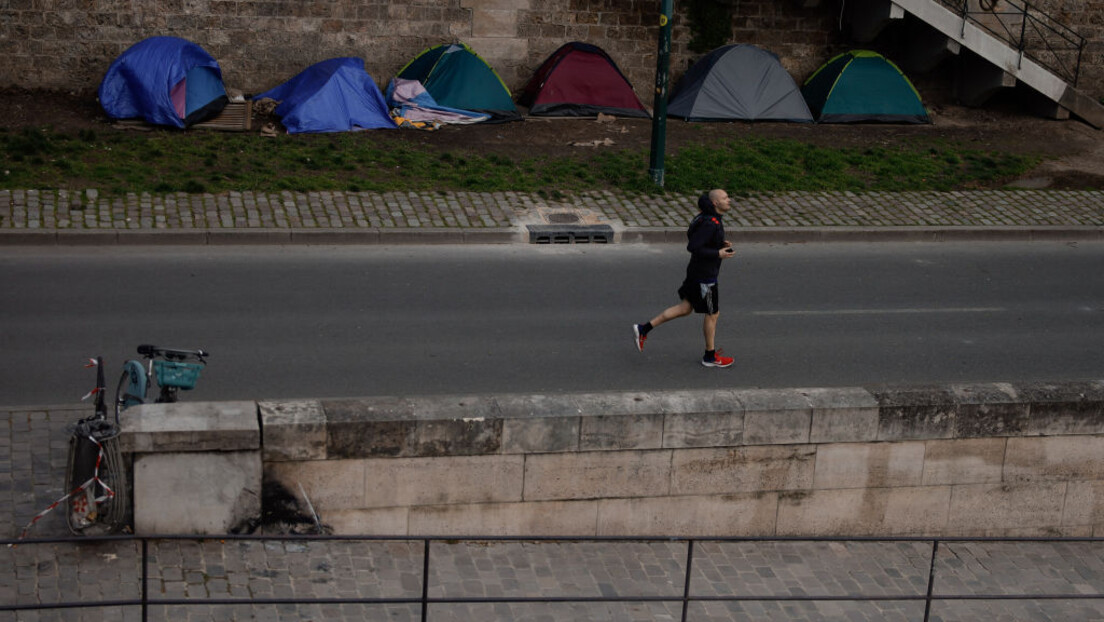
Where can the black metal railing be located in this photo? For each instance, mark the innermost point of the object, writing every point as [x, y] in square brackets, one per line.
[424, 601]
[1029, 31]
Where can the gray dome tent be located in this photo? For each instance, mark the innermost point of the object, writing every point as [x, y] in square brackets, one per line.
[738, 83]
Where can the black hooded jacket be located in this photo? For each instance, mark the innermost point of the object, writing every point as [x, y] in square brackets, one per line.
[706, 237]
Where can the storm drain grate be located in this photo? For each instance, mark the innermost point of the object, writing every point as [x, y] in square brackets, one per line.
[570, 234]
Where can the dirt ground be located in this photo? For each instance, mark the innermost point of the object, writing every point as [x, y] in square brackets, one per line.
[1074, 151]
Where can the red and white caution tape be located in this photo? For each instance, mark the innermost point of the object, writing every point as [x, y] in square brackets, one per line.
[95, 479]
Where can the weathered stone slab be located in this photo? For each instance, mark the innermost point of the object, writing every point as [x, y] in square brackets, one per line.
[862, 512]
[601, 474]
[369, 427]
[986, 410]
[375, 522]
[1084, 505]
[446, 407]
[494, 23]
[190, 493]
[293, 430]
[1064, 408]
[697, 402]
[331, 484]
[540, 434]
[457, 437]
[965, 461]
[617, 403]
[619, 421]
[499, 48]
[844, 415]
[701, 418]
[530, 406]
[382, 408]
[703, 430]
[721, 515]
[554, 518]
[991, 510]
[775, 416]
[869, 465]
[1054, 458]
[406, 482]
[619, 432]
[744, 469]
[190, 426]
[496, 4]
[915, 413]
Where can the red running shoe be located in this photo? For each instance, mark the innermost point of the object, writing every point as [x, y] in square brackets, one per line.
[718, 360]
[639, 339]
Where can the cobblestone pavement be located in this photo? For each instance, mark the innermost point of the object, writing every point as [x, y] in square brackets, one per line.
[33, 447]
[32, 210]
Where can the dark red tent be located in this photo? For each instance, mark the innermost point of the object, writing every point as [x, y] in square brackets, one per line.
[580, 80]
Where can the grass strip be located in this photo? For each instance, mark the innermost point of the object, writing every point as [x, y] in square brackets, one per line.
[196, 162]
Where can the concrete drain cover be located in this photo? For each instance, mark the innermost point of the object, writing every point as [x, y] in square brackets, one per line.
[562, 218]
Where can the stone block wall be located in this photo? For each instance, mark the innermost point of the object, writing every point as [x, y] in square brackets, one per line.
[196, 468]
[958, 460]
[1087, 20]
[63, 44]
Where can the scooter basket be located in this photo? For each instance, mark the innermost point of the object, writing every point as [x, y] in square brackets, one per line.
[180, 375]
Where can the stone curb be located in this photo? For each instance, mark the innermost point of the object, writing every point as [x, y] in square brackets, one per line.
[514, 235]
[472, 425]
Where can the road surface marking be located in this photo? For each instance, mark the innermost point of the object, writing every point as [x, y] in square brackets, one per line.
[882, 311]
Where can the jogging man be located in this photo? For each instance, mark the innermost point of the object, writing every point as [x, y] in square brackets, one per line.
[698, 294]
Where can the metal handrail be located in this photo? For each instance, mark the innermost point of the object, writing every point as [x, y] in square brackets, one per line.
[1056, 41]
[425, 600]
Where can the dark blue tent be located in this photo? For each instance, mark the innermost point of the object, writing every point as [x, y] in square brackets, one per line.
[165, 81]
[335, 95]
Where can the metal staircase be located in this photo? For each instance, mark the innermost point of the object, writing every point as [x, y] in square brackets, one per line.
[999, 43]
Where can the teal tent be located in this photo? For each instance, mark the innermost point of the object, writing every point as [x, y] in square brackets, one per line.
[861, 86]
[456, 77]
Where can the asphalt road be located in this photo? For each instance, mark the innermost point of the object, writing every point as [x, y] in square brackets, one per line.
[358, 321]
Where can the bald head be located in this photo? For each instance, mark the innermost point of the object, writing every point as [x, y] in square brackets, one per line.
[719, 199]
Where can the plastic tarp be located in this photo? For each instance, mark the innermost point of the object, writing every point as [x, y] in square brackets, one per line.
[459, 78]
[580, 80]
[164, 81]
[335, 95]
[861, 86]
[410, 100]
[738, 83]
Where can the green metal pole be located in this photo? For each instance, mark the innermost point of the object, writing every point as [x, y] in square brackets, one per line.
[659, 112]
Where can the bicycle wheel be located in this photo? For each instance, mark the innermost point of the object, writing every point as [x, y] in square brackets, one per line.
[114, 505]
[79, 473]
[97, 479]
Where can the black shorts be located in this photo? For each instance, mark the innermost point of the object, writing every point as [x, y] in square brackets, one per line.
[703, 297]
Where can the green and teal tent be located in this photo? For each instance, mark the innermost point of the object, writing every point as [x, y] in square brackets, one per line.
[457, 77]
[861, 86]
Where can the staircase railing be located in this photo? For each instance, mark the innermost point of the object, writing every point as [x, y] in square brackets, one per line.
[1029, 30]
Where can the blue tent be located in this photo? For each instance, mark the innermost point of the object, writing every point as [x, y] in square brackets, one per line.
[335, 95]
[165, 81]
